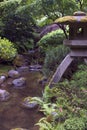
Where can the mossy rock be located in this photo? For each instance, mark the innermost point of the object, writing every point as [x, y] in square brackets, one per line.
[19, 61]
[19, 129]
[29, 102]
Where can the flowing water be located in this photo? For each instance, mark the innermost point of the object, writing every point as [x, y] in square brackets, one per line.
[12, 114]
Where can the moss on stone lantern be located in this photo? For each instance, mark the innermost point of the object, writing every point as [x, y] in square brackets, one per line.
[77, 30]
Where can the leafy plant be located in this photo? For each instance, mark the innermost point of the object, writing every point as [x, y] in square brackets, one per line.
[45, 125]
[7, 50]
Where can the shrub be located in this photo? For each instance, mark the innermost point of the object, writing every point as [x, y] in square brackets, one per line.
[24, 45]
[7, 50]
[54, 57]
[79, 79]
[74, 124]
[51, 39]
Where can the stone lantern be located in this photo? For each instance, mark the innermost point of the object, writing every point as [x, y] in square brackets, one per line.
[77, 41]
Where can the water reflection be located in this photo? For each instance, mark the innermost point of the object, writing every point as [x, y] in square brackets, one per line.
[12, 115]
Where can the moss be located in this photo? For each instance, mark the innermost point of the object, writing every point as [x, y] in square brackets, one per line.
[66, 19]
[4, 69]
[71, 19]
[84, 19]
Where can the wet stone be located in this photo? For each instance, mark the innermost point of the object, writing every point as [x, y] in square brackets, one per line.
[4, 95]
[19, 83]
[2, 79]
[23, 69]
[29, 103]
[35, 67]
[13, 74]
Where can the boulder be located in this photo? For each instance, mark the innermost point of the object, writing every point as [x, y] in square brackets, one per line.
[19, 83]
[4, 95]
[49, 29]
[2, 79]
[13, 74]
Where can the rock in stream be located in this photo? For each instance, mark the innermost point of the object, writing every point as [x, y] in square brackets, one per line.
[19, 83]
[4, 95]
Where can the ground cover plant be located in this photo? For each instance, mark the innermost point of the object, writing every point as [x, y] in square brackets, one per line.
[65, 105]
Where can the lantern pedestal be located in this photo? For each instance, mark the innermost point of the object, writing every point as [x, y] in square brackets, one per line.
[65, 64]
[60, 70]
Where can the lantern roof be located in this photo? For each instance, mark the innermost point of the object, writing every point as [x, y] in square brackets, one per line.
[78, 17]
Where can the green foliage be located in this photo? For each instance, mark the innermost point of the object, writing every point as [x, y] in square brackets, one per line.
[16, 23]
[53, 9]
[65, 106]
[79, 79]
[53, 58]
[7, 50]
[63, 109]
[44, 21]
[4, 69]
[25, 45]
[19, 31]
[74, 124]
[82, 4]
[45, 125]
[52, 39]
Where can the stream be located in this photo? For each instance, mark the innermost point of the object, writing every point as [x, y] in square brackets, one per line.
[12, 114]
